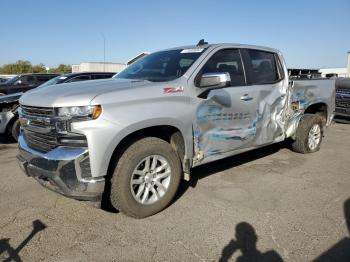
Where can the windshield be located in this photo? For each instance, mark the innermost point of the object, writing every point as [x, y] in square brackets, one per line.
[11, 80]
[161, 66]
[54, 81]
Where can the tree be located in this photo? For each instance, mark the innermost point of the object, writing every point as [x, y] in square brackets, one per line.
[61, 69]
[24, 66]
[20, 66]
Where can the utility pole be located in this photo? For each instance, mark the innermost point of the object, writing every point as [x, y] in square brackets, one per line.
[104, 52]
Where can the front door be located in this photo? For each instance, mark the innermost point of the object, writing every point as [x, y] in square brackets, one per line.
[226, 119]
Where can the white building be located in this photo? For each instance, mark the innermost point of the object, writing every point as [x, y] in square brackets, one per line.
[7, 76]
[348, 74]
[340, 72]
[98, 67]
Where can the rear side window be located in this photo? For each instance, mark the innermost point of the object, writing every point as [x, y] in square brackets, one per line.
[79, 78]
[28, 80]
[262, 67]
[226, 61]
[43, 78]
[101, 76]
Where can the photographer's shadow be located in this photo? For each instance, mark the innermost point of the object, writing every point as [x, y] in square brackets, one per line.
[13, 253]
[246, 240]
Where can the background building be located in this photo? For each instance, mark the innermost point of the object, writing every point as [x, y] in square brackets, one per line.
[98, 67]
[302, 73]
[7, 76]
[340, 72]
[348, 73]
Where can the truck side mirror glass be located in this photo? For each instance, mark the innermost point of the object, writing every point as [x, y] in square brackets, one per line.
[215, 80]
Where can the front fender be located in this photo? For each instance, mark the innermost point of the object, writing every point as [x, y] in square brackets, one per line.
[186, 133]
[104, 136]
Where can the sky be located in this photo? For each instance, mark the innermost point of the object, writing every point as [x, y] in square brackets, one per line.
[310, 34]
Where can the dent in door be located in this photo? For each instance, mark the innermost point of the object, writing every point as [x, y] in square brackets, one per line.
[218, 130]
[214, 131]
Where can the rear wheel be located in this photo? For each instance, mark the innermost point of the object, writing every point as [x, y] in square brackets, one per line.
[309, 134]
[146, 178]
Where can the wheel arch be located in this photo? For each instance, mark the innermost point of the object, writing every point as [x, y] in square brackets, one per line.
[319, 108]
[170, 132]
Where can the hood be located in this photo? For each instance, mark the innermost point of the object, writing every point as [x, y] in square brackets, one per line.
[75, 94]
[10, 98]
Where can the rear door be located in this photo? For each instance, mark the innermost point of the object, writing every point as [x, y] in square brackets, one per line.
[266, 75]
[226, 119]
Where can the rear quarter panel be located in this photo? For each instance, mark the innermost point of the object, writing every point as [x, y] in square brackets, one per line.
[306, 93]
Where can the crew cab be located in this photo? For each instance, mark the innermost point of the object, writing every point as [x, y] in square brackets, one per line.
[135, 136]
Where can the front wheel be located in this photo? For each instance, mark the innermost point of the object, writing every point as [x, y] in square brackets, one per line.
[309, 134]
[15, 129]
[146, 178]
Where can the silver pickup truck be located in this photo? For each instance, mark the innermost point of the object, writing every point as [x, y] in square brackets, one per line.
[133, 137]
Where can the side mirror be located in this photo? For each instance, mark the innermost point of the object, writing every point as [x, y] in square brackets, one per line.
[215, 80]
[19, 82]
[291, 84]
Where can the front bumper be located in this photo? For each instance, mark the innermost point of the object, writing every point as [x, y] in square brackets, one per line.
[342, 115]
[5, 118]
[65, 170]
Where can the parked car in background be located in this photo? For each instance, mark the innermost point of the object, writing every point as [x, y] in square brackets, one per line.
[3, 80]
[342, 100]
[133, 137]
[24, 82]
[9, 123]
[77, 77]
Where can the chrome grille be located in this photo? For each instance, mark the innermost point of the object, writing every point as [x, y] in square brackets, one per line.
[43, 131]
[342, 98]
[38, 111]
[341, 102]
[40, 142]
[343, 91]
[40, 131]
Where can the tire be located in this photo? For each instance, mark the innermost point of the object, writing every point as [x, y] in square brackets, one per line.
[124, 195]
[15, 129]
[301, 143]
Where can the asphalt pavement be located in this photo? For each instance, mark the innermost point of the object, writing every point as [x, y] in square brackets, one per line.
[270, 204]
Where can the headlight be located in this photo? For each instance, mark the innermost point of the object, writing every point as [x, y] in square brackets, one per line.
[84, 112]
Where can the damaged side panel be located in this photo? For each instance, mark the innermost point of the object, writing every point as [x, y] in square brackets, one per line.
[305, 93]
[8, 110]
[224, 122]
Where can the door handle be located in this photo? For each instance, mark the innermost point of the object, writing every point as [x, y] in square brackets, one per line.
[246, 97]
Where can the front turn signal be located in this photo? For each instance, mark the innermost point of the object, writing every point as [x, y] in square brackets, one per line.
[97, 112]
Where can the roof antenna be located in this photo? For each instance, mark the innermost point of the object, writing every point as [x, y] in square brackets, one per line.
[202, 42]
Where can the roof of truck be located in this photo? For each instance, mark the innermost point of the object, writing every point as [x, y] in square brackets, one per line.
[228, 45]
